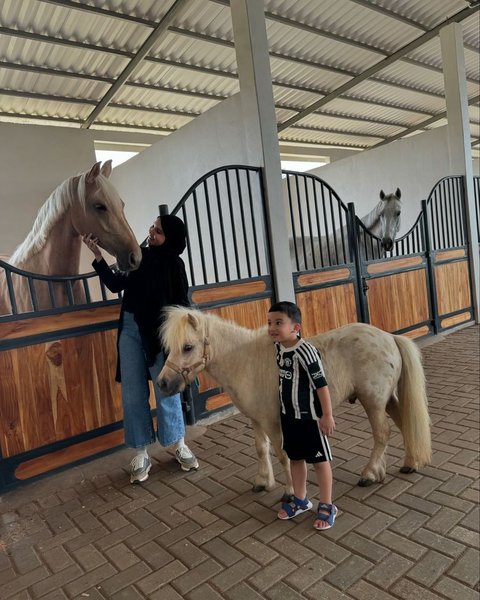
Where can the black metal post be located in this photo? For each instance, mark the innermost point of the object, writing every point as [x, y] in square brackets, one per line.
[163, 209]
[432, 290]
[362, 311]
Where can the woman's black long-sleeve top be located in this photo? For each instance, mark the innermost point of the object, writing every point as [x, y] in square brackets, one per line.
[160, 281]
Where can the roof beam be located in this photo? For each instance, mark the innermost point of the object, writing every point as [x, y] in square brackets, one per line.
[460, 16]
[422, 125]
[160, 31]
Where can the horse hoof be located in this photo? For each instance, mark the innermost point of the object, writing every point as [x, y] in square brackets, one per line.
[365, 482]
[406, 469]
[258, 488]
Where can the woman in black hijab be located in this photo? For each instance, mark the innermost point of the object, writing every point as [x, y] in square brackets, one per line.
[160, 281]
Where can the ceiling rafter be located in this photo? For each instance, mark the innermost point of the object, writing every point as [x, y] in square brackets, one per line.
[422, 39]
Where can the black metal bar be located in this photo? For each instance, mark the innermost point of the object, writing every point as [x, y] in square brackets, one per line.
[292, 220]
[342, 233]
[71, 301]
[254, 222]
[210, 229]
[33, 294]
[362, 311]
[222, 226]
[86, 289]
[310, 228]
[334, 227]
[243, 222]
[11, 292]
[199, 236]
[51, 293]
[430, 271]
[327, 236]
[317, 218]
[189, 246]
[302, 228]
[232, 223]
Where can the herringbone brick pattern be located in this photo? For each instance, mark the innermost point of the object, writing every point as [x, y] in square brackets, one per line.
[87, 533]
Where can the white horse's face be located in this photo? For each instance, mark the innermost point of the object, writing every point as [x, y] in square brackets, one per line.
[103, 216]
[188, 354]
[390, 218]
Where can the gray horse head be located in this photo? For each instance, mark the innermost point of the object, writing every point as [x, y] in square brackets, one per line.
[390, 218]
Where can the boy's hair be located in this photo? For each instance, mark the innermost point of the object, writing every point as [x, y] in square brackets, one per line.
[288, 308]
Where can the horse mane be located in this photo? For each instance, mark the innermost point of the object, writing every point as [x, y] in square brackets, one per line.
[180, 318]
[372, 217]
[60, 200]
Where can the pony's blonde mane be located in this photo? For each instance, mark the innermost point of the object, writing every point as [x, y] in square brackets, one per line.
[180, 320]
[60, 200]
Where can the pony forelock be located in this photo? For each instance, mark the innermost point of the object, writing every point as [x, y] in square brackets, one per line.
[173, 331]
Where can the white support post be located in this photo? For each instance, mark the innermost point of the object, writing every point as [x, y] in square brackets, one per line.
[460, 155]
[253, 61]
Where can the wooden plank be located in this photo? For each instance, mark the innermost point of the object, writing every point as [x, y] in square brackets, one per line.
[453, 287]
[398, 301]
[323, 277]
[326, 308]
[218, 401]
[56, 390]
[37, 325]
[450, 255]
[60, 458]
[394, 265]
[415, 333]
[247, 314]
[228, 292]
[455, 320]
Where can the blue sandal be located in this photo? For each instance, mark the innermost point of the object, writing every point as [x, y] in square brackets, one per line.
[295, 507]
[329, 518]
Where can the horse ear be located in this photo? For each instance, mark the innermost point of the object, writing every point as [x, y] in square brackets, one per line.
[106, 169]
[193, 321]
[398, 193]
[93, 173]
[382, 195]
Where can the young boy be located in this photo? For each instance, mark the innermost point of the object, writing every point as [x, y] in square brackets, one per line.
[306, 413]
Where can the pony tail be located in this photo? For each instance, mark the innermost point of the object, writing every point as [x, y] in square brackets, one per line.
[413, 401]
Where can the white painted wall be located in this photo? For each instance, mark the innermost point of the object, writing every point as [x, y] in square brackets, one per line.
[162, 173]
[414, 165]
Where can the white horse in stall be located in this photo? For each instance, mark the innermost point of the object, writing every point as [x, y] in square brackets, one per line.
[383, 221]
[383, 371]
[85, 203]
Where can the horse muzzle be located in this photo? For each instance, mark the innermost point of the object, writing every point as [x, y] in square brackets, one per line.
[170, 385]
[387, 244]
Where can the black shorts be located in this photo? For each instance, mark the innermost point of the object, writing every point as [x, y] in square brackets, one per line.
[302, 440]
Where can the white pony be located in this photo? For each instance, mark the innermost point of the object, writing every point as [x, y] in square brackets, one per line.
[383, 221]
[381, 370]
[85, 203]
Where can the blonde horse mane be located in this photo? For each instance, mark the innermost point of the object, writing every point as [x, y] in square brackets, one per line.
[178, 319]
[56, 205]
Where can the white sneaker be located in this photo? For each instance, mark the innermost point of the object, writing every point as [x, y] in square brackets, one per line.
[186, 458]
[139, 468]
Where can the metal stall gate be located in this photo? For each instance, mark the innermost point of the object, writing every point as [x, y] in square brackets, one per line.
[342, 274]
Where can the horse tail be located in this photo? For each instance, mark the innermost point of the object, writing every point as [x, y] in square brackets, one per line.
[413, 401]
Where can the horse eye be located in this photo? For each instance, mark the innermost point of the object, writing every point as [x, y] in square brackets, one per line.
[100, 207]
[188, 348]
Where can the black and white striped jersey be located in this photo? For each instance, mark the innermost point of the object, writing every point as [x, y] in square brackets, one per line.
[301, 374]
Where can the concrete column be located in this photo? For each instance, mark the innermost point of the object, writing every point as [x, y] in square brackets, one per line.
[460, 155]
[256, 93]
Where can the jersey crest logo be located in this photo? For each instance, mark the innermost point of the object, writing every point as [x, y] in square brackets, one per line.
[288, 362]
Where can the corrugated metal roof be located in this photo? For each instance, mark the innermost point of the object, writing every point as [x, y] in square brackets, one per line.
[58, 59]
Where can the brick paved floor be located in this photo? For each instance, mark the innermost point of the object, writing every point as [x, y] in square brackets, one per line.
[87, 533]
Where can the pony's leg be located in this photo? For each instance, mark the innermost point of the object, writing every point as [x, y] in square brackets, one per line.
[264, 479]
[376, 466]
[274, 432]
[393, 409]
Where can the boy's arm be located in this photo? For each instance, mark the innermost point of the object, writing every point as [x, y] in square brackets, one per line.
[326, 422]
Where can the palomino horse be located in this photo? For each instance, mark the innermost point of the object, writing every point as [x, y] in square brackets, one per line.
[86, 203]
[383, 221]
[381, 370]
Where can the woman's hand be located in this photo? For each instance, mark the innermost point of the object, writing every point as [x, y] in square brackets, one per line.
[91, 243]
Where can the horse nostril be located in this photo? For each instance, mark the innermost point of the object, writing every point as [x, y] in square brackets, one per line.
[132, 259]
[162, 384]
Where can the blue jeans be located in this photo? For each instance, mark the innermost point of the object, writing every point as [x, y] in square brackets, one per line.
[137, 418]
